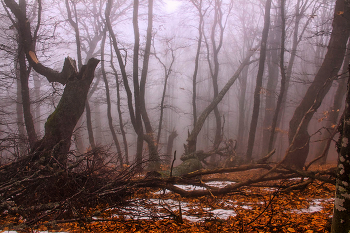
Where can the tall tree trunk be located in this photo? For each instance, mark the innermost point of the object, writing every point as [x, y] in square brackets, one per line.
[154, 158]
[283, 78]
[19, 111]
[320, 86]
[256, 107]
[121, 123]
[272, 65]
[98, 123]
[167, 72]
[138, 108]
[135, 115]
[89, 125]
[196, 61]
[24, 78]
[341, 211]
[334, 110]
[108, 99]
[242, 108]
[28, 118]
[37, 87]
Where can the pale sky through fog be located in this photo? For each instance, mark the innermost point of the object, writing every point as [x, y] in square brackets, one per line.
[172, 5]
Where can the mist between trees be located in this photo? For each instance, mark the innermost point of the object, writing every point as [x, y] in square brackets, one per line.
[146, 78]
[173, 69]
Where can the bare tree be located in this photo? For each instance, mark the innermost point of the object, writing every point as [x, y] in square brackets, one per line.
[108, 99]
[319, 87]
[258, 87]
[139, 113]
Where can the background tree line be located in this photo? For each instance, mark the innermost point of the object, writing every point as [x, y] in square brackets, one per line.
[174, 73]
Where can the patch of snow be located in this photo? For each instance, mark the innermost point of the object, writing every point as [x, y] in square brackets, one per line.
[223, 214]
[216, 184]
[315, 206]
[189, 187]
[162, 192]
[192, 218]
[219, 184]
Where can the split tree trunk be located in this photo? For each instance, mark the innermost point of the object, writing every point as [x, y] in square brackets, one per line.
[54, 146]
[60, 124]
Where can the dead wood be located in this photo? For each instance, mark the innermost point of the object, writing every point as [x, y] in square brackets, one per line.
[42, 193]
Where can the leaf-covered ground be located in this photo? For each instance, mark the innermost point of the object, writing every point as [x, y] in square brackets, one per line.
[262, 208]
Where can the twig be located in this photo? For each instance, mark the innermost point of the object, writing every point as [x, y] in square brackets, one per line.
[172, 164]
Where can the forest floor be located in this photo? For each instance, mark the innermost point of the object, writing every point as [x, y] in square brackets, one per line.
[261, 208]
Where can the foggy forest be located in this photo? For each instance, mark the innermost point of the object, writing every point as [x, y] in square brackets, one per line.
[109, 105]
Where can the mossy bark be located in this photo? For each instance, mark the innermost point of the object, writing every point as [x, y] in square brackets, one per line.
[60, 124]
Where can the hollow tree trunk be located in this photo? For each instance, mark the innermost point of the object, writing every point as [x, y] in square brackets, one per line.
[320, 86]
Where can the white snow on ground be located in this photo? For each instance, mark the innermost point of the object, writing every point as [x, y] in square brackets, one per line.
[216, 184]
[223, 214]
[146, 209]
[315, 206]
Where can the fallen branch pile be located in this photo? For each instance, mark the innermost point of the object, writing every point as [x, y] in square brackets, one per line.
[32, 194]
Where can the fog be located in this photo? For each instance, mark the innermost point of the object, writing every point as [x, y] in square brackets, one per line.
[205, 41]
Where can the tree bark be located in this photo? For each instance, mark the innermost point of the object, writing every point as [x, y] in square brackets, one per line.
[108, 99]
[334, 110]
[256, 107]
[341, 211]
[272, 66]
[320, 86]
[283, 78]
[20, 120]
[121, 123]
[215, 67]
[37, 87]
[60, 124]
[167, 73]
[196, 61]
[135, 115]
[170, 144]
[53, 147]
